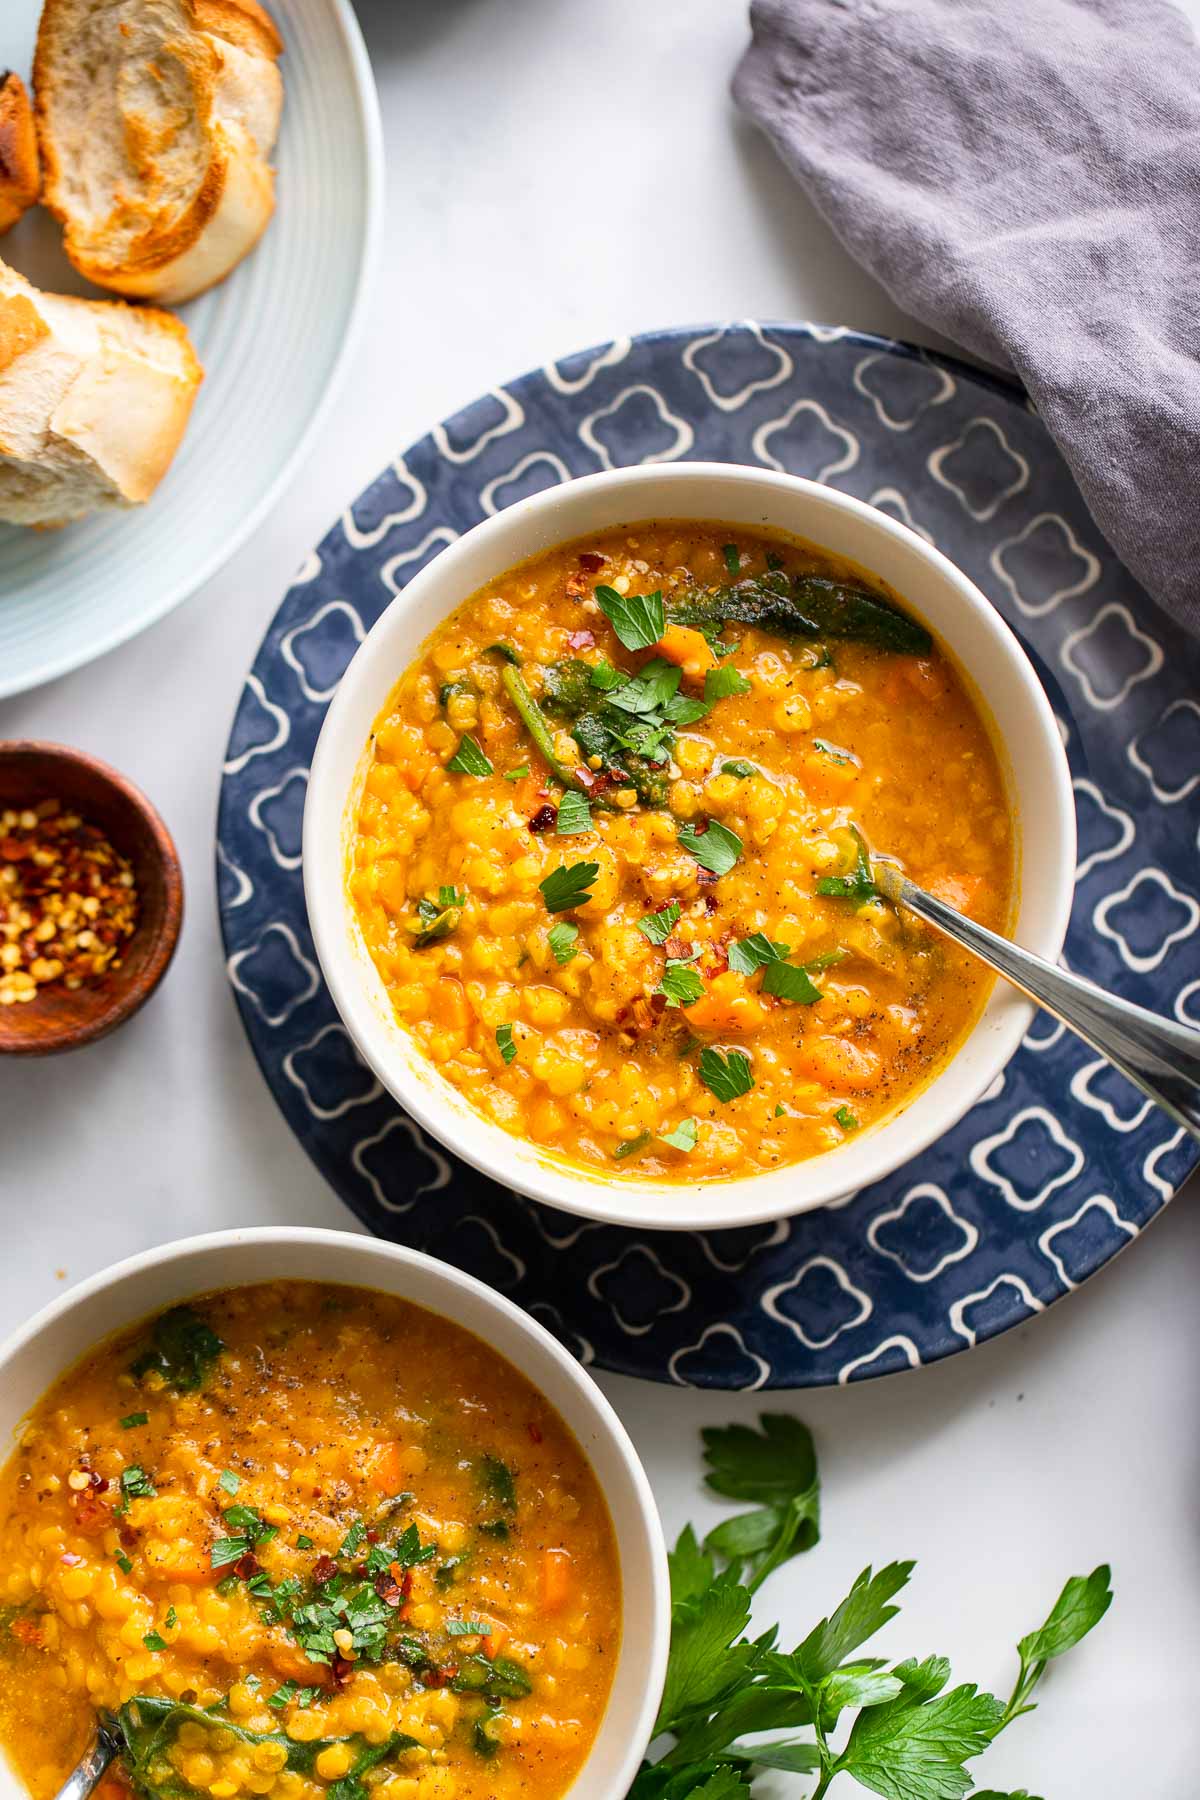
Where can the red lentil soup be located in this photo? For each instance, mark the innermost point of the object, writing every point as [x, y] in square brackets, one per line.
[304, 1539]
[612, 853]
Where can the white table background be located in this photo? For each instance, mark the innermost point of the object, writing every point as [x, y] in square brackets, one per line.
[558, 174]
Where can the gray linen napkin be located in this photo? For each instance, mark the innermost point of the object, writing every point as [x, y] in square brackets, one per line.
[1024, 175]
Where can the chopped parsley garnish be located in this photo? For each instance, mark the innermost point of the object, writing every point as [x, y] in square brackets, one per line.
[133, 1419]
[135, 1485]
[251, 1530]
[353, 1540]
[639, 620]
[123, 1563]
[507, 652]
[723, 683]
[726, 1075]
[846, 1119]
[829, 750]
[467, 1628]
[438, 918]
[659, 926]
[229, 1481]
[574, 814]
[500, 1679]
[683, 1137]
[680, 983]
[632, 1146]
[650, 690]
[153, 1641]
[568, 886]
[716, 849]
[755, 952]
[733, 558]
[291, 1690]
[562, 941]
[469, 759]
[605, 677]
[504, 1043]
[171, 1620]
[787, 981]
[739, 768]
[780, 1110]
[517, 774]
[304, 1542]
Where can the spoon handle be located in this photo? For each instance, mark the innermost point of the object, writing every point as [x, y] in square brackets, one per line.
[1158, 1055]
[91, 1765]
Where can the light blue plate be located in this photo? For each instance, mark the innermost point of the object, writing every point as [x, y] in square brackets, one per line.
[272, 339]
[1061, 1163]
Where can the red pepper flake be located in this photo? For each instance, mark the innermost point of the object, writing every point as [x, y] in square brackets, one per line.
[706, 877]
[340, 1671]
[387, 1589]
[542, 820]
[406, 1580]
[127, 1536]
[246, 1566]
[27, 1632]
[658, 1003]
[581, 640]
[92, 1516]
[324, 1569]
[535, 1432]
[677, 949]
[711, 903]
[372, 1536]
[700, 827]
[98, 1483]
[592, 561]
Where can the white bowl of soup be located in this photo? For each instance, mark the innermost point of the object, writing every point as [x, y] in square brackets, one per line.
[589, 835]
[303, 1508]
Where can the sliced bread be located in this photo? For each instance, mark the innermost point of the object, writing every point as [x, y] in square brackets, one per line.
[20, 177]
[155, 119]
[94, 398]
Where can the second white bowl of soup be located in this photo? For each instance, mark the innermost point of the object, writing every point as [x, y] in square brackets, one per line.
[588, 838]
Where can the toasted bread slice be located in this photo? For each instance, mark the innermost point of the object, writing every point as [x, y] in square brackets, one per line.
[155, 119]
[20, 175]
[94, 398]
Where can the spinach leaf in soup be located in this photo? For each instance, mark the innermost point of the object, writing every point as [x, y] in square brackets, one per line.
[811, 606]
[183, 1349]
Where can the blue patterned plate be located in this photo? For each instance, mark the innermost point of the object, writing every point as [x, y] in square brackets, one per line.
[1061, 1163]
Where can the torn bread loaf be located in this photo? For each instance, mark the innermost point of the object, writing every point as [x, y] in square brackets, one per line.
[20, 176]
[94, 399]
[155, 119]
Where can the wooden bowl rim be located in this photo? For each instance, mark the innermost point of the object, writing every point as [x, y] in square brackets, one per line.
[160, 949]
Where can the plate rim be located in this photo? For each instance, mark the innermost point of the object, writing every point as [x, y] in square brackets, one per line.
[367, 94]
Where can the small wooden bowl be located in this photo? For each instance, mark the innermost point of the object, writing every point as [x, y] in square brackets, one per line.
[63, 1018]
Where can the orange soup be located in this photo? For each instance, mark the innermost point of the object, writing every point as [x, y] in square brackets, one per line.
[613, 851]
[304, 1540]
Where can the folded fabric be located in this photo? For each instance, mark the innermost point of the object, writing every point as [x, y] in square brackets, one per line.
[1024, 175]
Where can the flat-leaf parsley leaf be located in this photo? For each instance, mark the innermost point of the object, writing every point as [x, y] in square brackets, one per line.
[568, 886]
[726, 1076]
[716, 849]
[639, 620]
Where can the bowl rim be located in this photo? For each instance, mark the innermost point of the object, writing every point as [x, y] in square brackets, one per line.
[652, 1646]
[162, 945]
[597, 1196]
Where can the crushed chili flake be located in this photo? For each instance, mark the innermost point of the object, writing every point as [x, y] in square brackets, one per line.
[27, 1632]
[542, 819]
[324, 1569]
[68, 901]
[246, 1566]
[677, 948]
[592, 561]
[534, 1431]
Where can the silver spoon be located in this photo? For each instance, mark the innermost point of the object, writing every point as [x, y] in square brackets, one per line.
[1158, 1055]
[107, 1743]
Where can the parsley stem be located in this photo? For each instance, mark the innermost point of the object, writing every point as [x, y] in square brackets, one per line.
[535, 724]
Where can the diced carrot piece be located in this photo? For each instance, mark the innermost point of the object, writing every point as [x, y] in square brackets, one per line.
[91, 1515]
[494, 1642]
[726, 1006]
[556, 1579]
[689, 649]
[450, 1003]
[828, 777]
[289, 1661]
[386, 1472]
[927, 679]
[837, 1063]
[959, 891]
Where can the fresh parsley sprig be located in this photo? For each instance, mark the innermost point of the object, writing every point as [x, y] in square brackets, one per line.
[911, 1737]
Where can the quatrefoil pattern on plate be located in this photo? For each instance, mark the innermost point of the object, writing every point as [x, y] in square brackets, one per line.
[1061, 1163]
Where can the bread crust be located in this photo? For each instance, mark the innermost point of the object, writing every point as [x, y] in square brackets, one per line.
[20, 170]
[94, 399]
[173, 258]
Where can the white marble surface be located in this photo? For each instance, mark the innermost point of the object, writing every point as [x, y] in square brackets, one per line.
[558, 174]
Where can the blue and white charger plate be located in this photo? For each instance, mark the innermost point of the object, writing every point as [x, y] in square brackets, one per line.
[1061, 1164]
